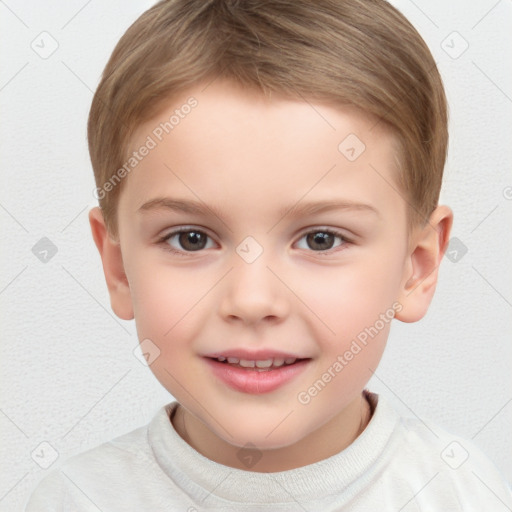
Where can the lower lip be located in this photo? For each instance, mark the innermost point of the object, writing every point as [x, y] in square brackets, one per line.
[253, 381]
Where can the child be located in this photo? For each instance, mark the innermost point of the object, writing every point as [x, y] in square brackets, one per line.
[268, 176]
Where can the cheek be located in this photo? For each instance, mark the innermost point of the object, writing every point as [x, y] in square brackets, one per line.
[352, 297]
[164, 302]
[167, 307]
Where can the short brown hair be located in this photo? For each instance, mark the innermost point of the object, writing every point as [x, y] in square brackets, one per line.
[362, 53]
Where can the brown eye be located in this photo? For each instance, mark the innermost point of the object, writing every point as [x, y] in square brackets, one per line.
[320, 240]
[192, 240]
[187, 240]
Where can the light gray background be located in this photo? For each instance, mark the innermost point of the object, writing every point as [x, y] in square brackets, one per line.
[69, 376]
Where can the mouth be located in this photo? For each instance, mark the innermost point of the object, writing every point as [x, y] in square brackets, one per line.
[259, 365]
[256, 374]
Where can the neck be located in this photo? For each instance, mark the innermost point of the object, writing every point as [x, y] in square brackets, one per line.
[331, 438]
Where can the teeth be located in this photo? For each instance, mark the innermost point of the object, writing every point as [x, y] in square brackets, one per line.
[264, 364]
[267, 363]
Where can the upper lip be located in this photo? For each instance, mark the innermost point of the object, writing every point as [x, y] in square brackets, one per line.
[253, 355]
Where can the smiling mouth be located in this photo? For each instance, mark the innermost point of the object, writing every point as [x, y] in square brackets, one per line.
[256, 376]
[260, 365]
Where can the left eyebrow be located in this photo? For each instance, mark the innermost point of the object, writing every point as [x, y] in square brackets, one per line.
[323, 206]
[310, 208]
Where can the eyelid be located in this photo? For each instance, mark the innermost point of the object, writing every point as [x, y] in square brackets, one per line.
[342, 233]
[185, 228]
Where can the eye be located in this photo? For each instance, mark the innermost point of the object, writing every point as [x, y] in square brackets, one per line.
[186, 240]
[322, 240]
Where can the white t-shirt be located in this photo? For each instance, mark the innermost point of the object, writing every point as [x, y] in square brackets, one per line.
[396, 464]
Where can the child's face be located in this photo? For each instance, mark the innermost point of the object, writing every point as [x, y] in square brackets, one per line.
[250, 160]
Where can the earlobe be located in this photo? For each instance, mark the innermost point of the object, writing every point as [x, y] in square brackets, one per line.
[113, 267]
[422, 266]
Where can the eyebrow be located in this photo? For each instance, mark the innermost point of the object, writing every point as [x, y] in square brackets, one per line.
[199, 208]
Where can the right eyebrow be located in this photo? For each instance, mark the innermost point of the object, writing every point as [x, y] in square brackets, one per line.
[188, 206]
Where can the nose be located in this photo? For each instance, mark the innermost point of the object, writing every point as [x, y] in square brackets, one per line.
[252, 293]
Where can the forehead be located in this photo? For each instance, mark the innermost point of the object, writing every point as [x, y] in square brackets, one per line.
[235, 146]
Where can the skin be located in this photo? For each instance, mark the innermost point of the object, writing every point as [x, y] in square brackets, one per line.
[248, 157]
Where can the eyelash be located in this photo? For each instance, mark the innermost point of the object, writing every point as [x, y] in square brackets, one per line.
[164, 240]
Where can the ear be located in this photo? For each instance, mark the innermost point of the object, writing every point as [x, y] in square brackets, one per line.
[427, 248]
[113, 268]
